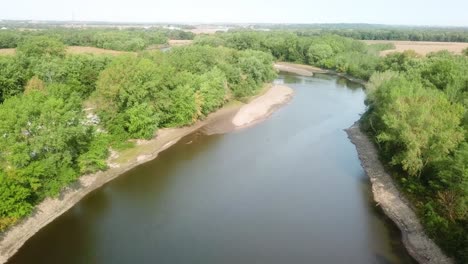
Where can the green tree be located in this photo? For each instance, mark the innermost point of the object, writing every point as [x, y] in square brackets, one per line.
[12, 77]
[41, 47]
[319, 52]
[419, 125]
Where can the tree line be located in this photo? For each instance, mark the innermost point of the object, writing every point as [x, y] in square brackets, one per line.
[61, 112]
[115, 39]
[416, 114]
[420, 34]
[376, 31]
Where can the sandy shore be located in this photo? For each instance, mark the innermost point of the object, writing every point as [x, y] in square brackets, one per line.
[219, 122]
[262, 107]
[300, 69]
[307, 70]
[387, 196]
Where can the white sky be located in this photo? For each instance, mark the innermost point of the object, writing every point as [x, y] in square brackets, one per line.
[408, 12]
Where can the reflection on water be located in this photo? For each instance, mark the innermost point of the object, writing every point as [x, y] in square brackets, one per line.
[289, 190]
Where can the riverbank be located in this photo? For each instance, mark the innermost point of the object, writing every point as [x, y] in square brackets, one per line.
[300, 69]
[307, 70]
[394, 205]
[119, 163]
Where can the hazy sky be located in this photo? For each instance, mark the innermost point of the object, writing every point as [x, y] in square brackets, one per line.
[409, 12]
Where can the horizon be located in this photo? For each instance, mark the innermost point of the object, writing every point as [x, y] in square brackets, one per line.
[46, 21]
[398, 13]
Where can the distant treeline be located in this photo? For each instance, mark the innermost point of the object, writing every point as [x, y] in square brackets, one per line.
[375, 32]
[442, 35]
[417, 114]
[124, 40]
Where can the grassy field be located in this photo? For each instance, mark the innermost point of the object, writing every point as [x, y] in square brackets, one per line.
[421, 47]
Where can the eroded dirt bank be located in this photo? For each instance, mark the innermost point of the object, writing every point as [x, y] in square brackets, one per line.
[221, 121]
[395, 206]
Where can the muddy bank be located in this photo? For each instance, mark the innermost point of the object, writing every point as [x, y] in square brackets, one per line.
[145, 150]
[387, 196]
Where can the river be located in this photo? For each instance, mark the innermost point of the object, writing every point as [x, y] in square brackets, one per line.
[288, 190]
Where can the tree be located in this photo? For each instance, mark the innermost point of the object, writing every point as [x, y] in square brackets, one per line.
[213, 90]
[318, 53]
[420, 126]
[41, 47]
[12, 77]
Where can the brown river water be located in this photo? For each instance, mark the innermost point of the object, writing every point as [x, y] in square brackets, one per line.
[288, 190]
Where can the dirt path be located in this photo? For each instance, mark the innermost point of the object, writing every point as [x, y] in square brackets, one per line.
[146, 150]
[387, 196]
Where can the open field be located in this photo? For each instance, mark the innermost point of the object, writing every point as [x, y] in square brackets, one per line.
[421, 47]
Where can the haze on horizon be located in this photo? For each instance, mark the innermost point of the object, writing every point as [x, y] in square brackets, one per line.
[397, 12]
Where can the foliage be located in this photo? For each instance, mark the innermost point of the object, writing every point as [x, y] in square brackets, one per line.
[41, 47]
[136, 95]
[419, 125]
[328, 51]
[12, 77]
[417, 115]
[213, 90]
[116, 39]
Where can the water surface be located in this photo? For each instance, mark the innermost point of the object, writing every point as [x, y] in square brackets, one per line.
[288, 190]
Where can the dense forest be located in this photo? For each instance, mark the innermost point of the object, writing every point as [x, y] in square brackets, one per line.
[417, 115]
[61, 112]
[115, 39]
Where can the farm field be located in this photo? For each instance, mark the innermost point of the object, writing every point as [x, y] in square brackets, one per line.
[421, 47]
